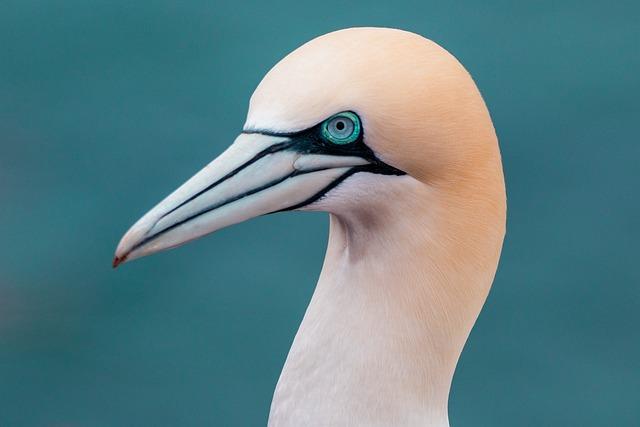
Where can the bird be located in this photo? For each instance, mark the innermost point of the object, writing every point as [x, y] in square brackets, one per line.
[386, 131]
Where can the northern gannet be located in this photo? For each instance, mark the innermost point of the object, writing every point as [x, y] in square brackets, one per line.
[387, 132]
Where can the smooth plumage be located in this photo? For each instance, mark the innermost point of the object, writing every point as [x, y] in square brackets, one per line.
[417, 205]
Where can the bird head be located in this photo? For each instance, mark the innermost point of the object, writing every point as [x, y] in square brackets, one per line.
[366, 102]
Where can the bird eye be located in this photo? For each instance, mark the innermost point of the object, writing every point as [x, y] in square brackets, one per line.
[343, 128]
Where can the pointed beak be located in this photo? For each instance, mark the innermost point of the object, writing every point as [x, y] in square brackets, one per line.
[258, 174]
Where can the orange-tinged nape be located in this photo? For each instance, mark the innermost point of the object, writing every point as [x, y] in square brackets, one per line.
[421, 113]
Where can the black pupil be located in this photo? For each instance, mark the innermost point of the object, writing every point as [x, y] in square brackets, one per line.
[340, 125]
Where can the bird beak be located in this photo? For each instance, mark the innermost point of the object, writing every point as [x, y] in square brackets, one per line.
[258, 174]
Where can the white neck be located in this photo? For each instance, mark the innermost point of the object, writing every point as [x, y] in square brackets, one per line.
[391, 312]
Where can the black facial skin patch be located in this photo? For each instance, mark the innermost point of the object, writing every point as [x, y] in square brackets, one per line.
[308, 141]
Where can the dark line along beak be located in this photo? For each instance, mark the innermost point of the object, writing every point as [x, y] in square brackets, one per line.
[258, 174]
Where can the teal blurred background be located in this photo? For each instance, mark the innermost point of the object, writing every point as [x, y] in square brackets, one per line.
[106, 106]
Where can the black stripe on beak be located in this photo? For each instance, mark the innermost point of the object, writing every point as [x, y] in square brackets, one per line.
[308, 142]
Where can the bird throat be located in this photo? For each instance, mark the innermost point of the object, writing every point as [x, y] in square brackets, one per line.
[385, 327]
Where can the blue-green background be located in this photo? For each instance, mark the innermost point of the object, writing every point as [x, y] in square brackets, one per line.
[106, 106]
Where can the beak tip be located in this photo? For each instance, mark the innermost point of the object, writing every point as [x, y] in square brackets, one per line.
[118, 260]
